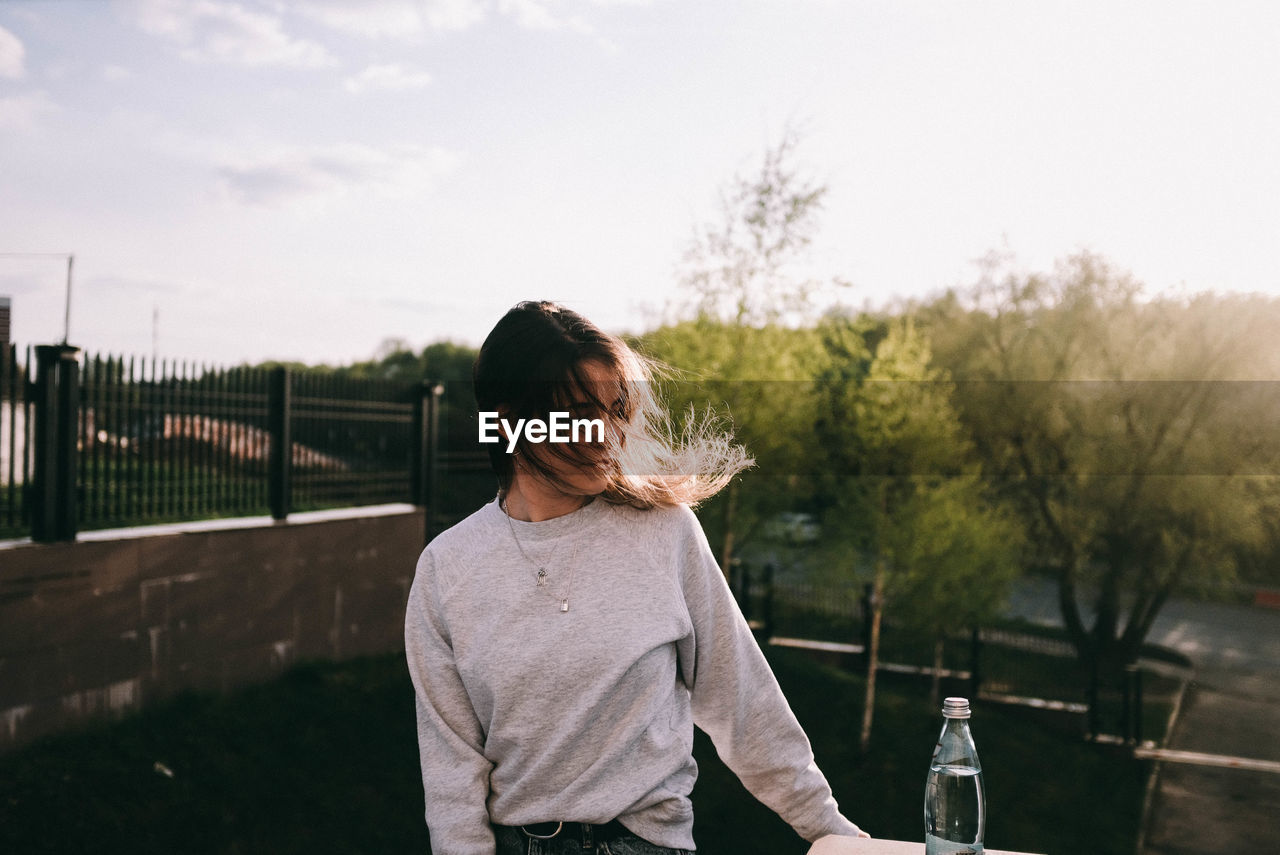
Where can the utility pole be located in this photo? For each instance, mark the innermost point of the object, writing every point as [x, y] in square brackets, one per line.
[66, 318]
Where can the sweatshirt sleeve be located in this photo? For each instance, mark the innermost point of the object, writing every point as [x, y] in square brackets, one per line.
[455, 772]
[737, 701]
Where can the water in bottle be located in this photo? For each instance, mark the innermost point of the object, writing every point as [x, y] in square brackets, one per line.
[954, 801]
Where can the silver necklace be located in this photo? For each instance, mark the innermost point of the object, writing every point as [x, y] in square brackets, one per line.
[542, 575]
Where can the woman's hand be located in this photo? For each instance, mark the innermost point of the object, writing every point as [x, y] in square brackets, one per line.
[837, 844]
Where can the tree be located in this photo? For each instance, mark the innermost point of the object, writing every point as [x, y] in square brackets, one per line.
[395, 360]
[1120, 429]
[743, 357]
[759, 380]
[741, 268]
[904, 489]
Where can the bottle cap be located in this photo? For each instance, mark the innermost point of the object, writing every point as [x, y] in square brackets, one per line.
[955, 708]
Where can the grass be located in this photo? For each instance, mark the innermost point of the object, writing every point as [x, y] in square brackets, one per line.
[1048, 791]
[325, 761]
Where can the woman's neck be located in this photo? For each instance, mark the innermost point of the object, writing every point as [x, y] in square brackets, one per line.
[531, 501]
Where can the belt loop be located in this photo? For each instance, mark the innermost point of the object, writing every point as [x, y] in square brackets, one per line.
[588, 841]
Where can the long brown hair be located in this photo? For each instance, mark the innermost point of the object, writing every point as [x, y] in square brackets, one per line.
[532, 362]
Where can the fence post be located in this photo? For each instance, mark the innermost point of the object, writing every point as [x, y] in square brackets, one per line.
[1093, 720]
[57, 398]
[1126, 707]
[425, 477]
[1131, 724]
[1137, 704]
[280, 452]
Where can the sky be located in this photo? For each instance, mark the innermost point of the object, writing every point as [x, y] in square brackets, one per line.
[241, 180]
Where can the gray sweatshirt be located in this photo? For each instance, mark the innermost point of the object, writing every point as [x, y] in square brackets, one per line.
[527, 713]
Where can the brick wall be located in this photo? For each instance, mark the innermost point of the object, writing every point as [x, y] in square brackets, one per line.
[112, 623]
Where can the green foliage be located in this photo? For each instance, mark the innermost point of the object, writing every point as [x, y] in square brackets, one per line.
[902, 483]
[740, 359]
[1127, 432]
[395, 360]
[955, 561]
[758, 382]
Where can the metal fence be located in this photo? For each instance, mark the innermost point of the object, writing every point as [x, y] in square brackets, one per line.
[162, 440]
[1037, 667]
[95, 441]
[15, 439]
[355, 442]
[993, 661]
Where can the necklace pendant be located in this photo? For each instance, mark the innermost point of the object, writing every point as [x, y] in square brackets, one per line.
[564, 605]
[542, 576]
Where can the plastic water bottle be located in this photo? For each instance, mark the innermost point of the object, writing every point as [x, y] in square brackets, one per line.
[955, 811]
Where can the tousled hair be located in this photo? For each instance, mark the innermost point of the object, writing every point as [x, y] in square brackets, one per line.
[532, 363]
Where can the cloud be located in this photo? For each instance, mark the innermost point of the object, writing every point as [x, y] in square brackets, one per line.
[394, 77]
[115, 73]
[371, 18]
[407, 19]
[23, 112]
[217, 31]
[400, 19]
[537, 15]
[12, 55]
[299, 173]
[410, 19]
[529, 14]
[454, 14]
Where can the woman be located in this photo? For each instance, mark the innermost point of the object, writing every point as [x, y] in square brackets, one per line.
[564, 639]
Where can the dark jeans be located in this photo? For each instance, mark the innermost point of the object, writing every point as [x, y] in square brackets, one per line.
[511, 841]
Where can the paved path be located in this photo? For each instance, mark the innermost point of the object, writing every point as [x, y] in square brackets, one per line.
[1200, 809]
[1212, 635]
[1231, 710]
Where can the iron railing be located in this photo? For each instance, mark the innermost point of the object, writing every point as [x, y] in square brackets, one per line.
[99, 441]
[1038, 667]
[15, 440]
[165, 440]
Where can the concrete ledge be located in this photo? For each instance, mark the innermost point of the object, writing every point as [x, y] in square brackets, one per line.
[873, 846]
[228, 523]
[121, 618]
